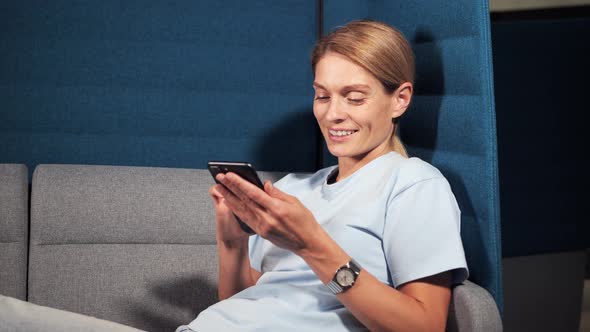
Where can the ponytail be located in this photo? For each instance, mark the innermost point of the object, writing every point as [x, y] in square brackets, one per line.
[398, 146]
[395, 142]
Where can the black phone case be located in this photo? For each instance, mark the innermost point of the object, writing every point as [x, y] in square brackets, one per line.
[245, 170]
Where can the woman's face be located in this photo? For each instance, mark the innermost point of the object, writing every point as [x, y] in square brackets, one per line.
[352, 108]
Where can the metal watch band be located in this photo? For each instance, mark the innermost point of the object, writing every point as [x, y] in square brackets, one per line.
[334, 286]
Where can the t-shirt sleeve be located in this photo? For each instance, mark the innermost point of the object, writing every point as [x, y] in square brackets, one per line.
[255, 252]
[421, 236]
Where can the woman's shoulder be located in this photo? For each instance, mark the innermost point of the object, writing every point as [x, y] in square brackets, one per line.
[406, 172]
[417, 169]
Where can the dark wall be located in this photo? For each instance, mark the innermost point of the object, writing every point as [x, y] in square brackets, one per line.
[541, 70]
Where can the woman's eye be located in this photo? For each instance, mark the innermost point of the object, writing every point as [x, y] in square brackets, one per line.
[355, 101]
[322, 98]
[355, 98]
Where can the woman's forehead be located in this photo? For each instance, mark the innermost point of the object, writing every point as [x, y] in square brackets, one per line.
[335, 71]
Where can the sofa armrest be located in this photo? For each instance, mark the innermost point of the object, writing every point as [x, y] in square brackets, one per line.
[473, 309]
[14, 219]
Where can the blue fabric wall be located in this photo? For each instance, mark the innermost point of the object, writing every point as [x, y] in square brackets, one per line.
[154, 83]
[451, 123]
[541, 70]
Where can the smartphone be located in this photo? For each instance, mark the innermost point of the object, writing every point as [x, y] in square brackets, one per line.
[245, 170]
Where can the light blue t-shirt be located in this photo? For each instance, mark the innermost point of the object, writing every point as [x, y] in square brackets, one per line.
[397, 217]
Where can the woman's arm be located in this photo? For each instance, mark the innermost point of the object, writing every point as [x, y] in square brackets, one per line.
[420, 305]
[235, 273]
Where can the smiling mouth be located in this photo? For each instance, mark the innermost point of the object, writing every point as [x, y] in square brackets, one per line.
[341, 133]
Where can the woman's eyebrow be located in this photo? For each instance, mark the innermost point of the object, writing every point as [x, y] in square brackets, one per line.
[318, 85]
[356, 87]
[347, 88]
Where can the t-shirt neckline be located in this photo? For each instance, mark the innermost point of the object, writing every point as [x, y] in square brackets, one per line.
[328, 190]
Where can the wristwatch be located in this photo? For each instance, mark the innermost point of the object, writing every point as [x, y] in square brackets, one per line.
[345, 277]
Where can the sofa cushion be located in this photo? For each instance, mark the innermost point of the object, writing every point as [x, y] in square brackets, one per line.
[134, 245]
[14, 199]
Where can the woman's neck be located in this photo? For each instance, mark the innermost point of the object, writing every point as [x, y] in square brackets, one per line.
[348, 165]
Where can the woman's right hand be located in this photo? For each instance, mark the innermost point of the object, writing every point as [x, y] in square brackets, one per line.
[228, 229]
[235, 273]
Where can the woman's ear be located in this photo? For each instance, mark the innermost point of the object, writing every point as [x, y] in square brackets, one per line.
[401, 99]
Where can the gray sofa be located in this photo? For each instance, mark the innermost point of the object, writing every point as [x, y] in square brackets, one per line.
[132, 245]
[14, 200]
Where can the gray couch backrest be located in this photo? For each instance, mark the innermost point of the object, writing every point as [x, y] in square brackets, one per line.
[14, 199]
[134, 245]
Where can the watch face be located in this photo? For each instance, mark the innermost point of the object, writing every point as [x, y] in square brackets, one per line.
[345, 277]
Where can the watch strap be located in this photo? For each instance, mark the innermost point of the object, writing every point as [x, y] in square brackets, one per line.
[334, 287]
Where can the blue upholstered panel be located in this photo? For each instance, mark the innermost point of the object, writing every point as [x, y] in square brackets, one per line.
[451, 122]
[157, 83]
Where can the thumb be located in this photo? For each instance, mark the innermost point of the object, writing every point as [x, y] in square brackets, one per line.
[275, 192]
[216, 195]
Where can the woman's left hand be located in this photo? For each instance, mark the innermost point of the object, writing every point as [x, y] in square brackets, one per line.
[272, 214]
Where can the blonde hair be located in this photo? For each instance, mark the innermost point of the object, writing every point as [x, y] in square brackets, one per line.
[380, 49]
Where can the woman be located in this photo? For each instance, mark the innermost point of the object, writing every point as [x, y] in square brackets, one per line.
[371, 243]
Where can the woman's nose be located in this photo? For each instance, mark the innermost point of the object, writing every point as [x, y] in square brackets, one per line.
[335, 112]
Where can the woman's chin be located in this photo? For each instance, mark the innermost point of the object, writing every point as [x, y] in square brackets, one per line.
[354, 151]
[339, 152]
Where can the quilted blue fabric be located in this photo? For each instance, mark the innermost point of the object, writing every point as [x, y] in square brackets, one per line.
[155, 83]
